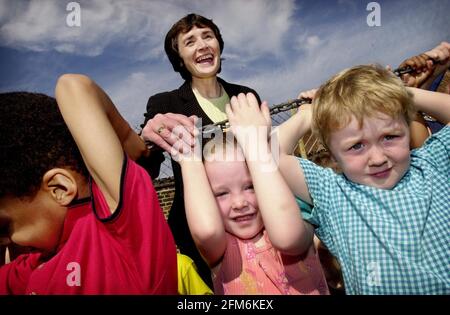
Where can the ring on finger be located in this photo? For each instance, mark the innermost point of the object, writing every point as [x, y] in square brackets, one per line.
[160, 129]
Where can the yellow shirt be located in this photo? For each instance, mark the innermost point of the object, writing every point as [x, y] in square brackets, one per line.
[214, 108]
[189, 281]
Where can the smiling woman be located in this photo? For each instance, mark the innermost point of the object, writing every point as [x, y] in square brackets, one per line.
[194, 46]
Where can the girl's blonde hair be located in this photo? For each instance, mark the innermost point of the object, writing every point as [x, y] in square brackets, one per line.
[359, 92]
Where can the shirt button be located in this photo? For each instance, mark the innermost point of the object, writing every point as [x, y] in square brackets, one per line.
[40, 266]
[33, 293]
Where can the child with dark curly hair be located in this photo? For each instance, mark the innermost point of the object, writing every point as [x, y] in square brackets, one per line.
[88, 214]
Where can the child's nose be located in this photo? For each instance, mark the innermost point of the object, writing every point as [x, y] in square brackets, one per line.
[239, 202]
[377, 156]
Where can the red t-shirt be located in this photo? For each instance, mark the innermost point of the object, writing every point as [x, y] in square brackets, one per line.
[129, 252]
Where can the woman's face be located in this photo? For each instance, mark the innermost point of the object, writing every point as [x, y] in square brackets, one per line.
[200, 51]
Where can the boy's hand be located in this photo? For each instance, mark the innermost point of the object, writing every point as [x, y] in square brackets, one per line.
[308, 94]
[441, 53]
[424, 66]
[249, 123]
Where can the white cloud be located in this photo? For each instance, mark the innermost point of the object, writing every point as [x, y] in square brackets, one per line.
[267, 44]
[253, 28]
[250, 28]
[41, 25]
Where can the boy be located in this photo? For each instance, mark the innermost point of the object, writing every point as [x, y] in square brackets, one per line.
[386, 216]
[88, 213]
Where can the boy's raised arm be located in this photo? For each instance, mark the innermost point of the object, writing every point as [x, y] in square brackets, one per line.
[292, 130]
[433, 103]
[99, 131]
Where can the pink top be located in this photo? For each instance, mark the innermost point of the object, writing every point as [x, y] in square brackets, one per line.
[246, 269]
[129, 252]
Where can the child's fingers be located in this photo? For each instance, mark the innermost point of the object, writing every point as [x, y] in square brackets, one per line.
[265, 111]
[308, 94]
[235, 103]
[242, 100]
[252, 100]
[229, 111]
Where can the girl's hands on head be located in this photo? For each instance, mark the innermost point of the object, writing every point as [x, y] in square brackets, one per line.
[249, 122]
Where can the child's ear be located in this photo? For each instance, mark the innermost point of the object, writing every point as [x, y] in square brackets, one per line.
[61, 185]
[332, 158]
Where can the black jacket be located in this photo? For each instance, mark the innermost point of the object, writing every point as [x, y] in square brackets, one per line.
[182, 101]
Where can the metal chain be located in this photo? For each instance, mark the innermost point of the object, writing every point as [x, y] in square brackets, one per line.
[224, 124]
[408, 69]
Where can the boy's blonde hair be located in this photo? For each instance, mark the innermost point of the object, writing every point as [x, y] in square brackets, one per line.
[360, 91]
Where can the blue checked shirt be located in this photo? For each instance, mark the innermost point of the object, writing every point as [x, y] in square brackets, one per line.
[393, 241]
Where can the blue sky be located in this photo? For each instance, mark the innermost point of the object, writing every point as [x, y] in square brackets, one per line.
[278, 47]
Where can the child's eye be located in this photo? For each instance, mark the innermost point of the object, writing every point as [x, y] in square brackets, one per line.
[357, 146]
[249, 187]
[220, 194]
[390, 137]
[189, 43]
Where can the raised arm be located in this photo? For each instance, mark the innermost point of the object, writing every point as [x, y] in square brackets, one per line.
[433, 103]
[202, 212]
[99, 131]
[425, 70]
[281, 215]
[292, 130]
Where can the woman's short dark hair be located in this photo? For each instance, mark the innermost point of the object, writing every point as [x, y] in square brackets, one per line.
[184, 25]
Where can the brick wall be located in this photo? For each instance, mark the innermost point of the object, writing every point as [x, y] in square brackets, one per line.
[165, 189]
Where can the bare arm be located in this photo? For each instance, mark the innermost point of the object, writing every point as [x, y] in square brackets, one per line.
[288, 135]
[99, 131]
[419, 131]
[433, 103]
[202, 212]
[425, 71]
[292, 130]
[281, 215]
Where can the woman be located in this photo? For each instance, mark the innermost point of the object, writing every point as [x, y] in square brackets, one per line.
[194, 46]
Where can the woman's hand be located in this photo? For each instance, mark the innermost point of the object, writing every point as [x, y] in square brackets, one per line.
[171, 132]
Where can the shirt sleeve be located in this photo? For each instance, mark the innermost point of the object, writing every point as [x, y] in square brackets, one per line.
[320, 183]
[14, 276]
[305, 209]
[140, 226]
